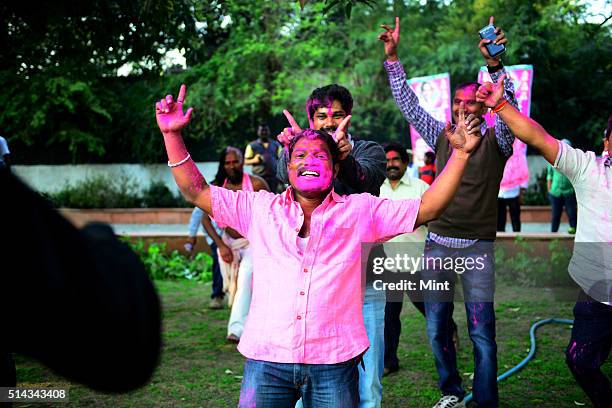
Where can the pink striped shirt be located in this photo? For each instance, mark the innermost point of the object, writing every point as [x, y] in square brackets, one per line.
[306, 307]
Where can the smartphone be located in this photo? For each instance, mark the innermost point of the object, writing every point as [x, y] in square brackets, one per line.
[488, 33]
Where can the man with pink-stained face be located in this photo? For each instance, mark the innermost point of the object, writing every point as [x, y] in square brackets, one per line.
[467, 229]
[361, 170]
[304, 334]
[362, 162]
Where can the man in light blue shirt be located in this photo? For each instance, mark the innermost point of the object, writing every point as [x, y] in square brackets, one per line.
[217, 295]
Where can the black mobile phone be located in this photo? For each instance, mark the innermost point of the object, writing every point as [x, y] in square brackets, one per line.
[488, 33]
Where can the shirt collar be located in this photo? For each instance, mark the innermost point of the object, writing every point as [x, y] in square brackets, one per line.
[288, 196]
[406, 179]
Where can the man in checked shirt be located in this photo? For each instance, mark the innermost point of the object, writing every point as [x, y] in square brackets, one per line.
[467, 229]
[305, 333]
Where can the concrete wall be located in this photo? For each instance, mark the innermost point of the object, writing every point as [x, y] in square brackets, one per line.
[49, 179]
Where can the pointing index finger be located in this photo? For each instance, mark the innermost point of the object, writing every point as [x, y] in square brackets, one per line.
[292, 122]
[181, 95]
[342, 126]
[491, 20]
[397, 25]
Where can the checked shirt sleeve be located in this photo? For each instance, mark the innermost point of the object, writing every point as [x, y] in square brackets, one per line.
[505, 138]
[408, 103]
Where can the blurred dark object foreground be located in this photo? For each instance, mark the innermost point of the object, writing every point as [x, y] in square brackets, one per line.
[79, 301]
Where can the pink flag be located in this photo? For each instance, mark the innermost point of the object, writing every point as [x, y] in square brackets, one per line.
[433, 92]
[516, 172]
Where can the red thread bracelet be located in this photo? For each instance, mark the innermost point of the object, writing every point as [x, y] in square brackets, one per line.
[501, 106]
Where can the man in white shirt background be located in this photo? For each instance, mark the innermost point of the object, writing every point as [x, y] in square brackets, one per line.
[401, 184]
[590, 266]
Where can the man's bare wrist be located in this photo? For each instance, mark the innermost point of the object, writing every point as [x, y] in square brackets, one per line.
[172, 134]
[460, 154]
[392, 58]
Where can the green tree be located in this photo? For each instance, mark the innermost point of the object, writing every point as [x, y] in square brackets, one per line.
[247, 60]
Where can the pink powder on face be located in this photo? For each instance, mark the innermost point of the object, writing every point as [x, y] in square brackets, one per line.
[314, 105]
[313, 155]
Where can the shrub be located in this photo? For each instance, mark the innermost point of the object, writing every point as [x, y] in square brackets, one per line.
[161, 266]
[158, 195]
[537, 193]
[526, 269]
[122, 192]
[98, 192]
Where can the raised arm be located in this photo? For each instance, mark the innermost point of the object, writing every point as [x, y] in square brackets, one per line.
[440, 194]
[408, 103]
[526, 129]
[496, 69]
[405, 98]
[171, 121]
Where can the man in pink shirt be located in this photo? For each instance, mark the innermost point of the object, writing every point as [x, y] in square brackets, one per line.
[305, 333]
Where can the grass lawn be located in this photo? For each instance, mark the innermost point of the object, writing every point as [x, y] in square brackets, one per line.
[199, 369]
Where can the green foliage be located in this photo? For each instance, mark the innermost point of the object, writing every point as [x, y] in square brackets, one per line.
[248, 60]
[158, 195]
[525, 269]
[122, 192]
[94, 38]
[161, 266]
[537, 193]
[98, 192]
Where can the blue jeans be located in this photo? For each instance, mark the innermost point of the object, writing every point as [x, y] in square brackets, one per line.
[478, 291]
[280, 385]
[589, 348]
[569, 201]
[370, 379]
[217, 279]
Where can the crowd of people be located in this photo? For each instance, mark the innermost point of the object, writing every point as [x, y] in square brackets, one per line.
[318, 332]
[287, 242]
